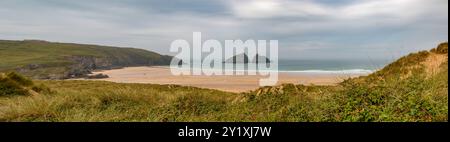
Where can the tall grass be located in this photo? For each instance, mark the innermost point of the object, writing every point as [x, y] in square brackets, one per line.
[13, 84]
[402, 92]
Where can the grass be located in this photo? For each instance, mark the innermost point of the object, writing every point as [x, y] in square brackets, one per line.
[401, 92]
[13, 84]
[105, 101]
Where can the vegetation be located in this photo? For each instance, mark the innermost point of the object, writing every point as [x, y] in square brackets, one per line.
[98, 76]
[13, 84]
[410, 89]
[48, 60]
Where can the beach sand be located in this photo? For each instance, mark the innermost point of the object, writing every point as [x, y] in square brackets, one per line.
[163, 75]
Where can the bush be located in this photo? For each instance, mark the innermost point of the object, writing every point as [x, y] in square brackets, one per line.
[21, 80]
[13, 84]
[9, 87]
[41, 88]
[441, 49]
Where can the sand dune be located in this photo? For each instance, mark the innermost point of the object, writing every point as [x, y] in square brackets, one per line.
[162, 75]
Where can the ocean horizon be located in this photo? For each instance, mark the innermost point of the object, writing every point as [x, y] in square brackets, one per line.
[319, 66]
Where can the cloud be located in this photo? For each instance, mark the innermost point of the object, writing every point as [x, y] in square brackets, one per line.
[311, 27]
[276, 8]
[303, 25]
[356, 10]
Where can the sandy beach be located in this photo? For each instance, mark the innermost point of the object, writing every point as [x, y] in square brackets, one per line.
[162, 75]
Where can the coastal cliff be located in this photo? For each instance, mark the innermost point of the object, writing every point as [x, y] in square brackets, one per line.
[50, 60]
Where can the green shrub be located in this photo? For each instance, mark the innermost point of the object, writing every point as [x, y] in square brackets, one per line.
[21, 80]
[41, 88]
[9, 87]
[12, 84]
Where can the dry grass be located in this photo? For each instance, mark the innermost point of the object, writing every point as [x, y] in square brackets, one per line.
[385, 96]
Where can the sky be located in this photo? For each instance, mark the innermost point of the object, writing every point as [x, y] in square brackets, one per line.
[306, 29]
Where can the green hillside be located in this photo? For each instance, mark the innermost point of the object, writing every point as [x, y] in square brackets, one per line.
[48, 60]
[412, 89]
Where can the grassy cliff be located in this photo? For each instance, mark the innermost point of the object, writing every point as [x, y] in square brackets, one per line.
[414, 88]
[49, 60]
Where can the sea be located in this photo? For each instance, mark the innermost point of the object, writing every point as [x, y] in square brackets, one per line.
[310, 66]
[332, 66]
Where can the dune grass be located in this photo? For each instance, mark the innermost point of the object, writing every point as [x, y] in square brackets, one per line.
[401, 92]
[13, 84]
[105, 101]
[410, 100]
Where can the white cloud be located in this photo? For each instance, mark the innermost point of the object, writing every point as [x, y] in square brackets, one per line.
[361, 9]
[402, 9]
[300, 25]
[275, 8]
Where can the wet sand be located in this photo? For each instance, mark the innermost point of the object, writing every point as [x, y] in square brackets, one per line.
[163, 75]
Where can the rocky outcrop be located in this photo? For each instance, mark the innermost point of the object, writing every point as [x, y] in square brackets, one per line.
[52, 60]
[244, 59]
[97, 76]
[84, 65]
